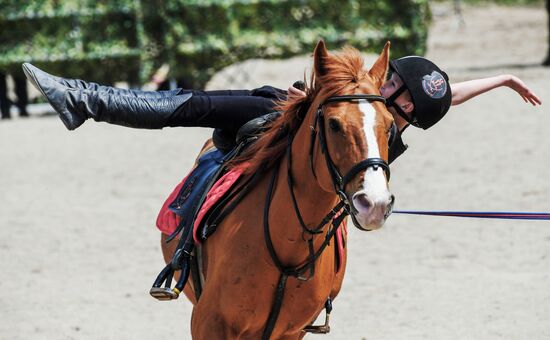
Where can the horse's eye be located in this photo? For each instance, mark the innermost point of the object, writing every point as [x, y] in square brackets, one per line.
[334, 125]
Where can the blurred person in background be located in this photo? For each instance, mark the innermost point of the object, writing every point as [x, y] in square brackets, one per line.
[20, 90]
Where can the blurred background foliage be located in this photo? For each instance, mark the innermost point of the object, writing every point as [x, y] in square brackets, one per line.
[503, 2]
[114, 40]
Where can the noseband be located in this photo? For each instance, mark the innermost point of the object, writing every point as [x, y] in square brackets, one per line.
[338, 180]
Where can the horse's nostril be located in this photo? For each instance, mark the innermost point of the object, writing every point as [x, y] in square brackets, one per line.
[361, 202]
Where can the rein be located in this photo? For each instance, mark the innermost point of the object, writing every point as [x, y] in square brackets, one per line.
[344, 206]
[541, 216]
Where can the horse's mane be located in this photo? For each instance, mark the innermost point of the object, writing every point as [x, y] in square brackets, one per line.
[341, 69]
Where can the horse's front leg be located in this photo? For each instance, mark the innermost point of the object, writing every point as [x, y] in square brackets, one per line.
[209, 325]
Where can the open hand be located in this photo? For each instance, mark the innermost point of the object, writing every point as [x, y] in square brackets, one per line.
[526, 94]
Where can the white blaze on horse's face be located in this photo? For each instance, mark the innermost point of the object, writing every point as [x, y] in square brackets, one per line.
[374, 201]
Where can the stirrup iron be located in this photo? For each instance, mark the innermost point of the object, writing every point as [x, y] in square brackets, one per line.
[164, 293]
[321, 329]
[180, 261]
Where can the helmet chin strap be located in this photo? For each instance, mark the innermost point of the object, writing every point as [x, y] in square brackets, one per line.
[390, 102]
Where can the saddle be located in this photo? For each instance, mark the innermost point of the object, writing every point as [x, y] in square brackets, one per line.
[182, 206]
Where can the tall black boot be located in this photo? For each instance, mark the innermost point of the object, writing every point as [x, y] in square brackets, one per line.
[34, 74]
[76, 105]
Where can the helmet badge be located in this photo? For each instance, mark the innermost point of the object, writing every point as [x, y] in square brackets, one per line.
[434, 85]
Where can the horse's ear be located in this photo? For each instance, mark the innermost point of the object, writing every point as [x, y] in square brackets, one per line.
[320, 58]
[380, 68]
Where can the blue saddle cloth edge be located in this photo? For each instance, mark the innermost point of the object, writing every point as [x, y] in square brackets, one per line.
[188, 199]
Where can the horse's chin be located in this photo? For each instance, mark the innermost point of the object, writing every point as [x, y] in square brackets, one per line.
[368, 224]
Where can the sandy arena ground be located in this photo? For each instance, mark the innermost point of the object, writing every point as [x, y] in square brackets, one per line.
[79, 251]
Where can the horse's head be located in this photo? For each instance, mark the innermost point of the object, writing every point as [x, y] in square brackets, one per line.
[351, 129]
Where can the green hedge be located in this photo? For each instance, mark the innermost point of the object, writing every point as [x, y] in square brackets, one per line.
[504, 2]
[110, 40]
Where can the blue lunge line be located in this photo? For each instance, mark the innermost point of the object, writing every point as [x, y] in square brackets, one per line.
[481, 214]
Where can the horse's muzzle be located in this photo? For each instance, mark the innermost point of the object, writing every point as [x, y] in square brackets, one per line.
[371, 214]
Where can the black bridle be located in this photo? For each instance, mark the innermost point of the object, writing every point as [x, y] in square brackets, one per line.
[338, 180]
[343, 208]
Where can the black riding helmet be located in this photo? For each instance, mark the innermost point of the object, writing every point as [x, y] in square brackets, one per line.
[429, 88]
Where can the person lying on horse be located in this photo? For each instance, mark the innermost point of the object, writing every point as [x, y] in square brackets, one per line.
[417, 93]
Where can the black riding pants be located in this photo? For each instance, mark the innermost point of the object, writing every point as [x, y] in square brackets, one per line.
[227, 110]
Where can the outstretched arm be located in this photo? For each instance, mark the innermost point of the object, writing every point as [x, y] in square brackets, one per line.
[469, 89]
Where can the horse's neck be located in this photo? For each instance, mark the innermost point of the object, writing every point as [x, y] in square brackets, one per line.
[313, 202]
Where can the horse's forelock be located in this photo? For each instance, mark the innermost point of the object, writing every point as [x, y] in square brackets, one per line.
[342, 69]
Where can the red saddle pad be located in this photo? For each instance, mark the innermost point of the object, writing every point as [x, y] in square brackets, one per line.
[167, 220]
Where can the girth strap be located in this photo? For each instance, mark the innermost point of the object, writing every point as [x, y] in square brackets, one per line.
[276, 309]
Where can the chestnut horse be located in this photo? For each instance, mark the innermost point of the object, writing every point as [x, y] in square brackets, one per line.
[270, 277]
